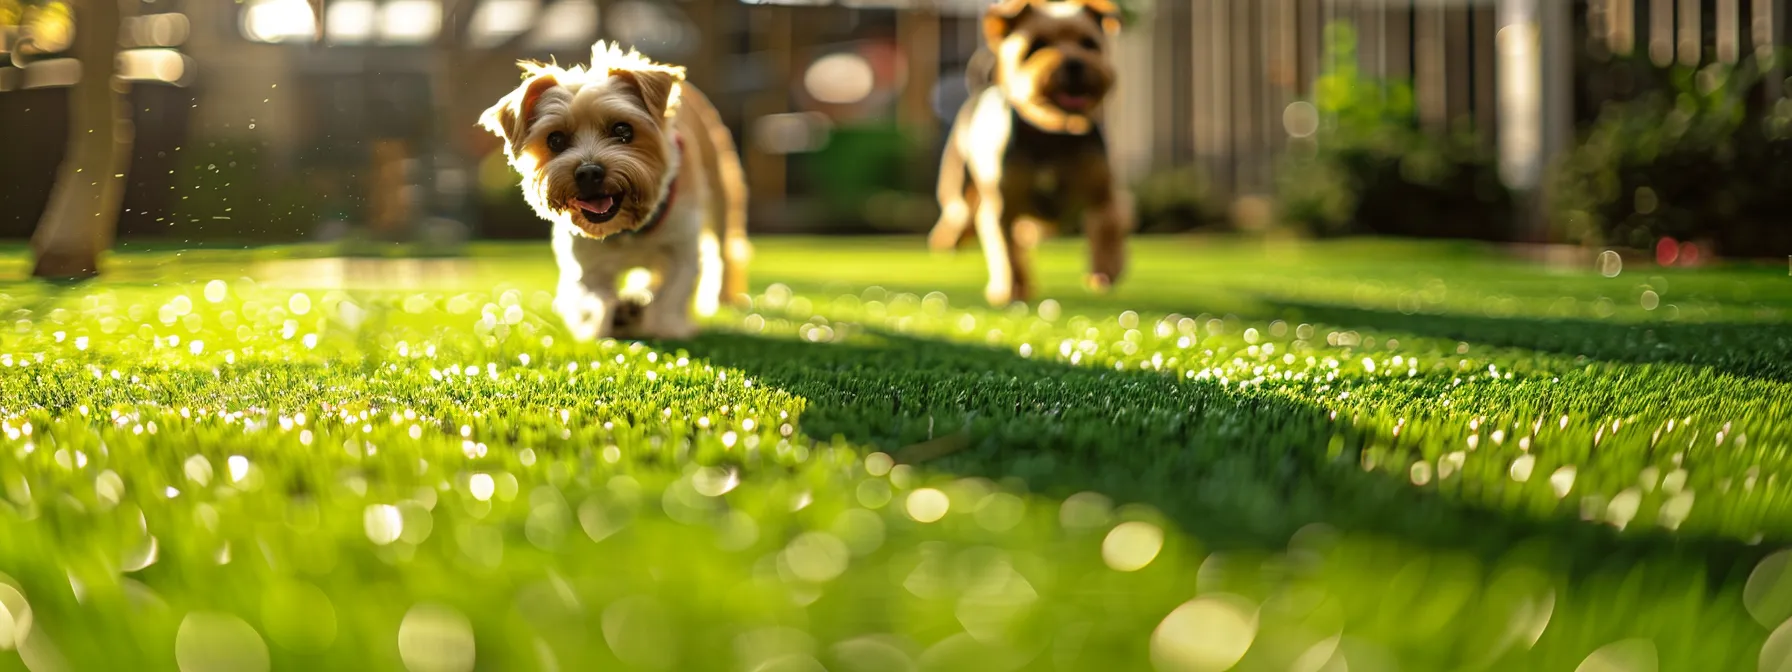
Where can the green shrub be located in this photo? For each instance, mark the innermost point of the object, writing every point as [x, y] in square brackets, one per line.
[1692, 160]
[1177, 199]
[1369, 169]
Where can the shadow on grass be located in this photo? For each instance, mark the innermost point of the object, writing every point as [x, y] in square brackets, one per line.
[1758, 350]
[1236, 469]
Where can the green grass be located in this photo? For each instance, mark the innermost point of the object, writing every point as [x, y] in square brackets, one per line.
[1362, 454]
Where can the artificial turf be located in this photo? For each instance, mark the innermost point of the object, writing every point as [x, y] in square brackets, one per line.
[1260, 455]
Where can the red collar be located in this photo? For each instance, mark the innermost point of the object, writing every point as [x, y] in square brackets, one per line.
[665, 206]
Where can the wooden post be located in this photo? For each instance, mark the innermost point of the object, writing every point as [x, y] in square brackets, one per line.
[1430, 85]
[1535, 95]
[918, 31]
[1729, 30]
[766, 170]
[1484, 77]
[1186, 39]
[448, 71]
[82, 215]
[1164, 77]
[1768, 15]
[1661, 32]
[706, 17]
[1221, 125]
[1460, 75]
[1245, 80]
[1691, 42]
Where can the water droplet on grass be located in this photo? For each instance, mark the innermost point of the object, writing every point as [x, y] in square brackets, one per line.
[15, 616]
[1085, 511]
[1207, 633]
[299, 616]
[1630, 655]
[816, 557]
[1131, 546]
[436, 638]
[1562, 481]
[383, 523]
[927, 505]
[640, 632]
[481, 486]
[217, 642]
[1522, 467]
[198, 469]
[216, 291]
[1610, 264]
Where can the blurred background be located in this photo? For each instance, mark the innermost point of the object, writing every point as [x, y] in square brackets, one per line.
[1660, 126]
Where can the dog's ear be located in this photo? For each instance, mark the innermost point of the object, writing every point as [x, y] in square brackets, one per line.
[1107, 15]
[657, 87]
[509, 118]
[1001, 18]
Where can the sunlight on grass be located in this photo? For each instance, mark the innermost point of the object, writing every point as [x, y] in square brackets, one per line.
[408, 465]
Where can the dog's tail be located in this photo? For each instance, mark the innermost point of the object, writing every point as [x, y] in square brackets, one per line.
[728, 207]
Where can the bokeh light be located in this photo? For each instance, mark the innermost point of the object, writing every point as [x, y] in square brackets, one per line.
[279, 21]
[1132, 545]
[927, 505]
[1208, 633]
[839, 79]
[215, 642]
[436, 638]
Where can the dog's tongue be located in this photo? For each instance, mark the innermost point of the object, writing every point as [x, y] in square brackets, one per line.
[1071, 103]
[597, 207]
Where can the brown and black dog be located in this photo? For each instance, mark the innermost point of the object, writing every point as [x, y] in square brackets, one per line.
[1027, 152]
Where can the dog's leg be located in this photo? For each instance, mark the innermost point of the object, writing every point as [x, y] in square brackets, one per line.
[1106, 225]
[586, 295]
[669, 314]
[587, 304]
[712, 271]
[1024, 234]
[992, 230]
[955, 206]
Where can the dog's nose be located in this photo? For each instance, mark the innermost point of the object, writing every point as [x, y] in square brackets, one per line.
[590, 179]
[1075, 68]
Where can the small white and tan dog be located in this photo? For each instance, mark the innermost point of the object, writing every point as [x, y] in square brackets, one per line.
[635, 169]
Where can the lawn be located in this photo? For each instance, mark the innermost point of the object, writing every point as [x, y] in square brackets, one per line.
[1360, 455]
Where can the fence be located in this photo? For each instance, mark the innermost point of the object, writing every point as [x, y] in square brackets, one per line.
[1221, 74]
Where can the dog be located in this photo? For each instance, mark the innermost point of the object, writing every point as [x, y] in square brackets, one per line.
[634, 168]
[1027, 151]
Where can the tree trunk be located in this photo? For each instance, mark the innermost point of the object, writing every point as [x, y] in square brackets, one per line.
[82, 215]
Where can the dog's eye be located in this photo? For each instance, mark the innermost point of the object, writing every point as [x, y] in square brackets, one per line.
[623, 132]
[1035, 46]
[1091, 44]
[558, 142]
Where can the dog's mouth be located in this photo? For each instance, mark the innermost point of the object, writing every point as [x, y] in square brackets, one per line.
[1074, 102]
[599, 209]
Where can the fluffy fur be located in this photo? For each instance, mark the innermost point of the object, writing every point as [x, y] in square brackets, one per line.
[1028, 151]
[634, 169]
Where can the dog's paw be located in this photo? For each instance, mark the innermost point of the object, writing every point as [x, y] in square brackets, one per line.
[998, 297]
[1100, 283]
[627, 318]
[942, 240]
[668, 330]
[586, 326]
